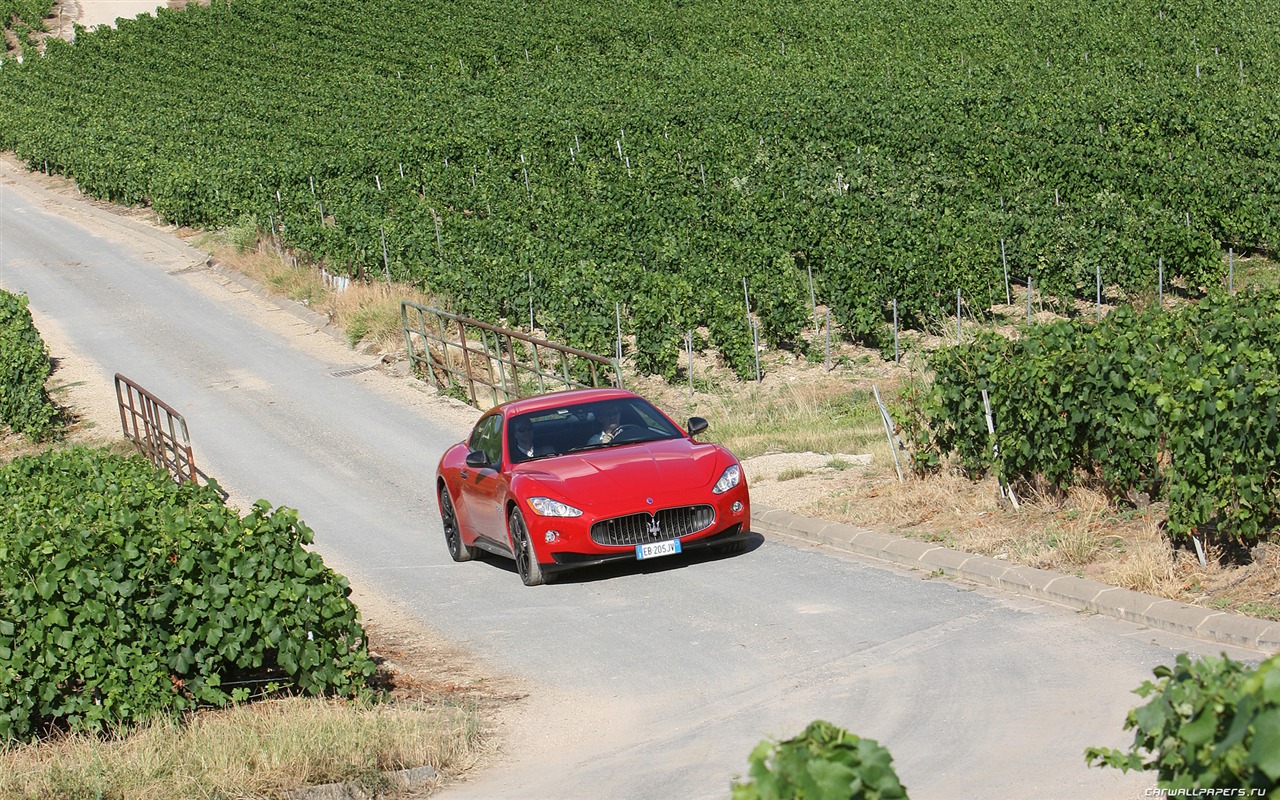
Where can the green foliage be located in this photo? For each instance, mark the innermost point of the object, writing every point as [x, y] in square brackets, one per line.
[912, 409]
[243, 234]
[824, 762]
[30, 13]
[124, 596]
[25, 407]
[617, 140]
[1210, 724]
[1183, 403]
[1218, 397]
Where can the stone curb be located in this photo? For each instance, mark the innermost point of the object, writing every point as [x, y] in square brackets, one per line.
[401, 780]
[1055, 587]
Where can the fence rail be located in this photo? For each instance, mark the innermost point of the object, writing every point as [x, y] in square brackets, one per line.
[159, 432]
[493, 365]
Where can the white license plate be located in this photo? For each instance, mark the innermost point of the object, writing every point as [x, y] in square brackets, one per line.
[655, 549]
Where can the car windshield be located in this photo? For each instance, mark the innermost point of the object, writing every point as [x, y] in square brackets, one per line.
[586, 426]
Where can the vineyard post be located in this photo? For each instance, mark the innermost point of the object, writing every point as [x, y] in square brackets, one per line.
[1005, 488]
[439, 245]
[386, 265]
[1098, 280]
[530, 301]
[755, 346]
[1160, 283]
[378, 182]
[689, 349]
[828, 327]
[896, 357]
[1028, 301]
[1231, 271]
[1008, 297]
[958, 338]
[617, 319]
[888, 432]
[813, 299]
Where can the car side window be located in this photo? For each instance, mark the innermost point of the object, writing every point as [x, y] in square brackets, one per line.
[487, 438]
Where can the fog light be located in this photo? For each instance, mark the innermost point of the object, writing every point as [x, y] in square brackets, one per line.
[552, 537]
[737, 506]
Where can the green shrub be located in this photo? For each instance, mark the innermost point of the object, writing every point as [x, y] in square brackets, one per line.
[1211, 724]
[1181, 403]
[25, 406]
[24, 12]
[125, 596]
[824, 762]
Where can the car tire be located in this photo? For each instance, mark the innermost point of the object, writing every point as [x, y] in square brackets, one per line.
[522, 548]
[458, 549]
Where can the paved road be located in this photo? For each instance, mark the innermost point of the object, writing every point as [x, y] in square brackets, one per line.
[650, 683]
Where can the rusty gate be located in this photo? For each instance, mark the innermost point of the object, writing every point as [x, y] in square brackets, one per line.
[491, 365]
[159, 432]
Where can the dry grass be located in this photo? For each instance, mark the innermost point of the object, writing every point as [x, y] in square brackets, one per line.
[259, 750]
[369, 313]
[816, 415]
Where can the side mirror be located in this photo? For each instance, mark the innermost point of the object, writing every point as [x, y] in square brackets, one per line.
[697, 425]
[477, 459]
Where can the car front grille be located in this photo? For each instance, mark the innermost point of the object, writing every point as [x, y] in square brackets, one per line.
[668, 523]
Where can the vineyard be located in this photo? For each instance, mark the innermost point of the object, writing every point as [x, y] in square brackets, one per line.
[1181, 406]
[661, 167]
[22, 18]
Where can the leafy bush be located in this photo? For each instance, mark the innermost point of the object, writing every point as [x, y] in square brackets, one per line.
[1211, 724]
[824, 762]
[27, 12]
[124, 596]
[1184, 403]
[25, 406]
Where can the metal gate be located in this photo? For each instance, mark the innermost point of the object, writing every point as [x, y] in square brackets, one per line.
[159, 432]
[492, 365]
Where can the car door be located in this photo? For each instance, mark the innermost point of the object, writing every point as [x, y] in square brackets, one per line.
[483, 488]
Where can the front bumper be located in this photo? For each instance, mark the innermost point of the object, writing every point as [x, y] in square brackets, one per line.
[565, 542]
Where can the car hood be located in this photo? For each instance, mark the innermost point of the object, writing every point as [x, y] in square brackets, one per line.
[627, 473]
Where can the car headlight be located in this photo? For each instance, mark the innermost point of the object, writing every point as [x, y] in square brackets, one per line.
[547, 507]
[729, 479]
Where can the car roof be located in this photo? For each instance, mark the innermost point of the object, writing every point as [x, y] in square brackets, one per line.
[544, 402]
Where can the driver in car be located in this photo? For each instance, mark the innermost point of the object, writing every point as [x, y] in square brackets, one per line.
[610, 418]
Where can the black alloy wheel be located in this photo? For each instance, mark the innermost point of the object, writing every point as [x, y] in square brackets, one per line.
[458, 550]
[526, 560]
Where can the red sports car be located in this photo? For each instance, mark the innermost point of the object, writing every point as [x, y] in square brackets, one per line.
[578, 478]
